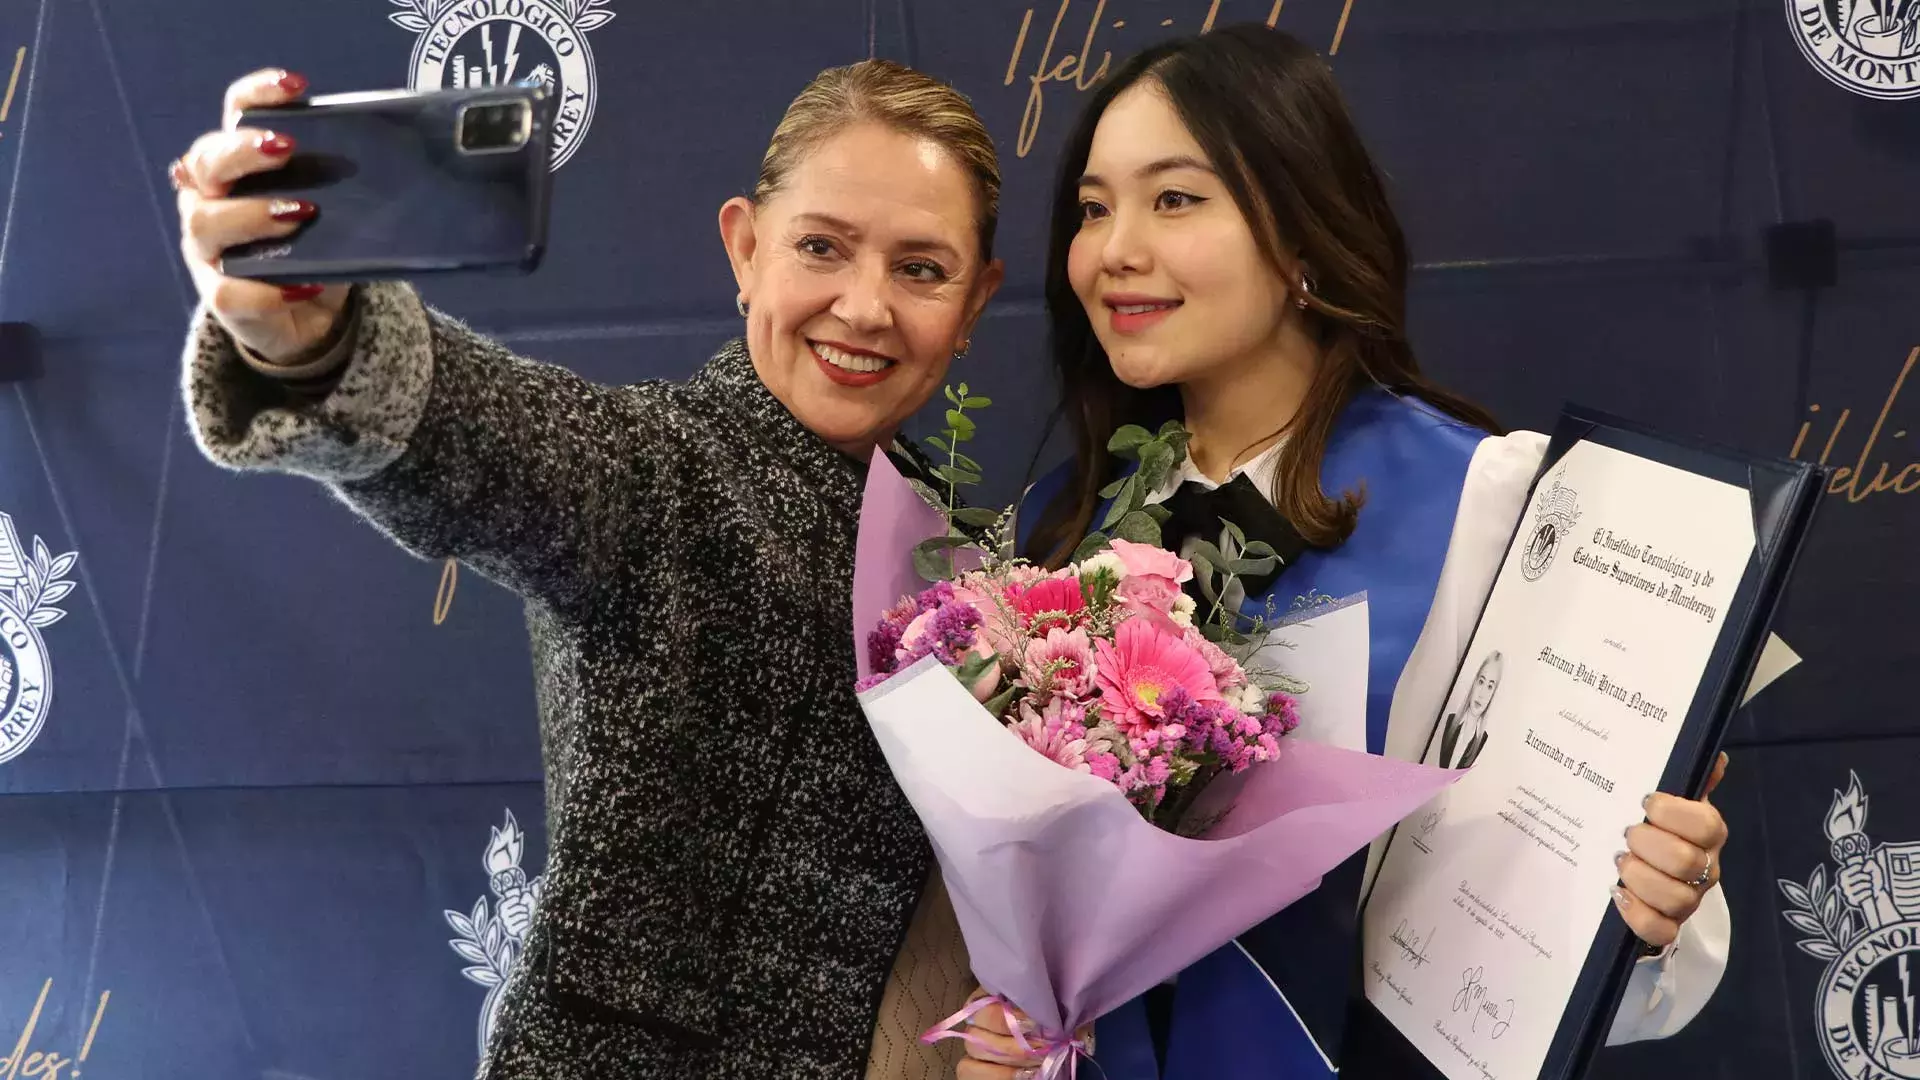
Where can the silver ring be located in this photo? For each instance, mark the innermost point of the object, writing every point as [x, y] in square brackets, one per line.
[1706, 876]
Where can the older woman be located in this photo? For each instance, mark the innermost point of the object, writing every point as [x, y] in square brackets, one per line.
[732, 870]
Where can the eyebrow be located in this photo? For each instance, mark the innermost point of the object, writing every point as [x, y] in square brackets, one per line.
[1154, 168]
[912, 243]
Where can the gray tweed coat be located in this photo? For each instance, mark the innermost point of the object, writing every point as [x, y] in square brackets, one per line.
[731, 867]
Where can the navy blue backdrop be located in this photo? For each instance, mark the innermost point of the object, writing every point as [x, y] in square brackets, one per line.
[269, 788]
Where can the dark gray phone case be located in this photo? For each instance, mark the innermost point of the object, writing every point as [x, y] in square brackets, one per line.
[397, 194]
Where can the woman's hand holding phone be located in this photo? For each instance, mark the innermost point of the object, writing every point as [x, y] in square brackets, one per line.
[282, 324]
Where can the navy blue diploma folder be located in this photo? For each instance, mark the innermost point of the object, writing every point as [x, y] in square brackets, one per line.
[1783, 498]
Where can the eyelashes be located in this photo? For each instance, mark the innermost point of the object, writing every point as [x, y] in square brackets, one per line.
[921, 271]
[1169, 201]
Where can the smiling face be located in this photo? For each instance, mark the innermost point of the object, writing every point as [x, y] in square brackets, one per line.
[863, 274]
[1166, 265]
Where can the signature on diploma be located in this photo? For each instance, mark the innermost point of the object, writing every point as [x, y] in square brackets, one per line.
[1412, 945]
[1380, 975]
[1473, 997]
[1423, 834]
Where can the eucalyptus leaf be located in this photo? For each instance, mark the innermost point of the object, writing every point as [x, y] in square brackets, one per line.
[1247, 567]
[1127, 438]
[977, 402]
[963, 391]
[1119, 509]
[938, 443]
[1138, 528]
[1156, 461]
[1203, 572]
[1160, 514]
[958, 423]
[932, 558]
[1094, 544]
[1211, 554]
[966, 462]
[954, 475]
[953, 397]
[978, 516]
[1259, 549]
[1113, 489]
[1239, 538]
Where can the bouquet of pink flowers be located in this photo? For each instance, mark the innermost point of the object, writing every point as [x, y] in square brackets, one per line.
[1111, 779]
[1099, 667]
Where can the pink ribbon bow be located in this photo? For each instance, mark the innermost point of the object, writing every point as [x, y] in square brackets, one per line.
[1060, 1054]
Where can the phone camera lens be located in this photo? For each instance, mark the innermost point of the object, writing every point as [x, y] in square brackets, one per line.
[488, 129]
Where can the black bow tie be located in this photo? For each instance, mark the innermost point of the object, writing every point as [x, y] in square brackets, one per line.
[1198, 512]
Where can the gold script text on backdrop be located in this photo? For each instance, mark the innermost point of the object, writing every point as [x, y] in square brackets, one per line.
[1851, 480]
[1079, 68]
[27, 1063]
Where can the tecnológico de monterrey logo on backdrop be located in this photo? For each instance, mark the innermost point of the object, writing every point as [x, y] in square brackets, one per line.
[470, 43]
[31, 582]
[1871, 47]
[1865, 922]
[491, 941]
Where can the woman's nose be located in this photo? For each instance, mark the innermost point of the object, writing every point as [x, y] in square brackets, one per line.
[1125, 251]
[866, 305]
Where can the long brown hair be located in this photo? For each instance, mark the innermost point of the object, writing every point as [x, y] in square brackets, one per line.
[1266, 110]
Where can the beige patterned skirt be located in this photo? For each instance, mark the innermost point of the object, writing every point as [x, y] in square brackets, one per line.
[931, 981]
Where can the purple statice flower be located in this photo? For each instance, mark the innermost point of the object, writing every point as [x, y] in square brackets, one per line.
[946, 631]
[1283, 713]
[882, 643]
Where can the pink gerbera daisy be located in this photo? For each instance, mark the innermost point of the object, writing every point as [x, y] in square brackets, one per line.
[1060, 732]
[1053, 602]
[1138, 669]
[1060, 663]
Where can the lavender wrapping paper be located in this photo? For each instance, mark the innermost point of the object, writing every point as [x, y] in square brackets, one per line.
[1071, 903]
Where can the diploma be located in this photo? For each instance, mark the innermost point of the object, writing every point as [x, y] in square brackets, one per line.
[1620, 633]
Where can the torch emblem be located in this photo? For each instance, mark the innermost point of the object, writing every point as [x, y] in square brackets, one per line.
[492, 937]
[1865, 922]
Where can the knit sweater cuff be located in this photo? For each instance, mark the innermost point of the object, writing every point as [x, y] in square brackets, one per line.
[246, 420]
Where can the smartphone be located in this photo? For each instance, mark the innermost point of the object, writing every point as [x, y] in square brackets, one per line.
[407, 183]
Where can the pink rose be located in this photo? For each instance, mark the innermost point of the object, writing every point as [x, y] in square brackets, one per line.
[1151, 599]
[1149, 561]
[988, 684]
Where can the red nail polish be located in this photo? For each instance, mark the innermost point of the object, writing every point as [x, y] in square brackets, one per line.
[273, 144]
[296, 293]
[291, 210]
[292, 83]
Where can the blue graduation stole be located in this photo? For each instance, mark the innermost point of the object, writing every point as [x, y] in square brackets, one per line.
[1272, 1005]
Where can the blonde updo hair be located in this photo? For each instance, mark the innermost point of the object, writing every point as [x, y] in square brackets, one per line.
[905, 100]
